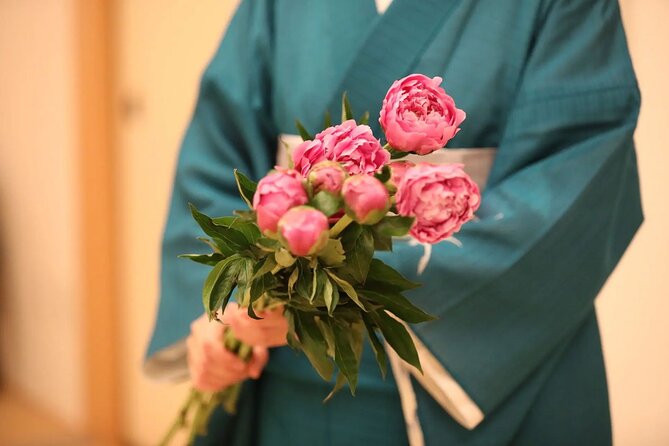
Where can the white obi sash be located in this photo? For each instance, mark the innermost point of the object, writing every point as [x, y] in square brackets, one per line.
[477, 161]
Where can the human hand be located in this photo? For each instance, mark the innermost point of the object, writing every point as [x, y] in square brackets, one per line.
[212, 367]
[270, 331]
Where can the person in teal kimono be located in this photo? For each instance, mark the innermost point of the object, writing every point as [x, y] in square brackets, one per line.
[550, 84]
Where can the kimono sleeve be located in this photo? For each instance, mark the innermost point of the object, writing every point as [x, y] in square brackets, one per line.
[230, 128]
[561, 206]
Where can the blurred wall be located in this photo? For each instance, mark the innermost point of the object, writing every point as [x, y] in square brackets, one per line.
[39, 305]
[163, 49]
[634, 305]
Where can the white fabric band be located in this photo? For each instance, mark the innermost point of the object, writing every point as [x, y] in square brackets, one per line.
[477, 161]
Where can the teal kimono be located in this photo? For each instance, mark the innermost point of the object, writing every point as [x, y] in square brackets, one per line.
[547, 82]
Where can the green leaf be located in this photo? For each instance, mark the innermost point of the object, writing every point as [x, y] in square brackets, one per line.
[212, 245]
[330, 295]
[327, 119]
[267, 266]
[377, 346]
[347, 288]
[381, 242]
[268, 244]
[205, 259]
[226, 238]
[394, 225]
[327, 202]
[341, 380]
[364, 119]
[328, 335]
[292, 280]
[247, 188]
[398, 338]
[333, 253]
[314, 345]
[260, 285]
[219, 284]
[359, 253]
[303, 132]
[345, 356]
[291, 336]
[396, 154]
[384, 175]
[284, 258]
[346, 112]
[399, 305]
[385, 277]
[246, 227]
[304, 282]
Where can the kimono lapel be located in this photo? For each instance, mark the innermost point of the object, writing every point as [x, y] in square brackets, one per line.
[391, 49]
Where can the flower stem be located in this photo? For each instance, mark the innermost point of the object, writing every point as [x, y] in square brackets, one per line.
[343, 222]
[180, 421]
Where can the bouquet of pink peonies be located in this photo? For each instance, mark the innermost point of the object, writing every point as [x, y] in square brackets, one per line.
[307, 242]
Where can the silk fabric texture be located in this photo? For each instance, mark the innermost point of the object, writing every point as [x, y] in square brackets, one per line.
[551, 85]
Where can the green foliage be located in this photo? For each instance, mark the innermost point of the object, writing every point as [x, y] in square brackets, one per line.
[247, 188]
[377, 345]
[384, 175]
[205, 259]
[327, 119]
[384, 277]
[346, 111]
[326, 202]
[364, 119]
[247, 227]
[394, 226]
[303, 132]
[333, 254]
[397, 304]
[228, 240]
[398, 338]
[345, 357]
[358, 243]
[314, 345]
[219, 284]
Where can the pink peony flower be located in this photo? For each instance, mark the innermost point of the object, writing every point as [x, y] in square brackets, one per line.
[276, 193]
[442, 197]
[328, 176]
[351, 145]
[307, 154]
[418, 116]
[366, 199]
[304, 230]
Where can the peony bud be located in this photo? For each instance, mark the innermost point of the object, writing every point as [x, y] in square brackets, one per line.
[328, 176]
[366, 199]
[304, 230]
[276, 193]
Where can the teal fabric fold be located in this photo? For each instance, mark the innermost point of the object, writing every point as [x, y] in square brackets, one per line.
[561, 206]
[406, 29]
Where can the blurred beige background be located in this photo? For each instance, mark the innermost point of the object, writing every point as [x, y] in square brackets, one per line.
[159, 49]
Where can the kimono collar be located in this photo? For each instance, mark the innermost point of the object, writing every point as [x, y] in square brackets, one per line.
[393, 46]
